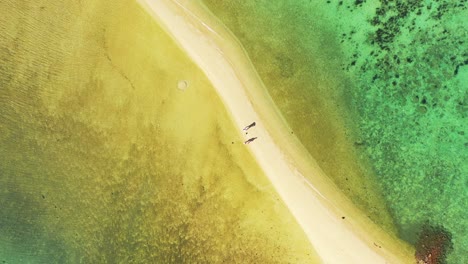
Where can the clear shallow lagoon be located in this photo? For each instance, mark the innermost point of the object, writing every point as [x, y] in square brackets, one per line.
[377, 92]
[115, 148]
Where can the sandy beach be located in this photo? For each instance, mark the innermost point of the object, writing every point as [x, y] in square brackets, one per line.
[335, 228]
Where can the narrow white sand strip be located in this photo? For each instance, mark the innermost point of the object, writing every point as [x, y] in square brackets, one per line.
[334, 241]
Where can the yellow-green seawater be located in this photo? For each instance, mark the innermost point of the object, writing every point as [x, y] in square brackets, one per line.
[104, 160]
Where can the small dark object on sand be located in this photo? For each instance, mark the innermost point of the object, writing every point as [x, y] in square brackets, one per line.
[249, 126]
[250, 140]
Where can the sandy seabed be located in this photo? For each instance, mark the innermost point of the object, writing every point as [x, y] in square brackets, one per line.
[335, 228]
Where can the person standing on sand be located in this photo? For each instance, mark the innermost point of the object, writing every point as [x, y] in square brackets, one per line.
[250, 140]
[249, 126]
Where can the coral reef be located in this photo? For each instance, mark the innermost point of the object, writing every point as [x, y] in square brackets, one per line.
[433, 245]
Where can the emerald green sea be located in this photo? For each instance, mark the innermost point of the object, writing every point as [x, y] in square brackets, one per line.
[377, 93]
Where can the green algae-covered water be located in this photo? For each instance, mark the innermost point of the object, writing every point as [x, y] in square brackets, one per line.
[377, 93]
[104, 160]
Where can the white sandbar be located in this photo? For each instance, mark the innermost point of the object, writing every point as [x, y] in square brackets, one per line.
[336, 240]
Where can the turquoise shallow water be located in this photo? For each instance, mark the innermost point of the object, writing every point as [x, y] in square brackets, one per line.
[398, 69]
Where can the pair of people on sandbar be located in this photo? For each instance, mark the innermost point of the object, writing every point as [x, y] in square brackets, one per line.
[247, 128]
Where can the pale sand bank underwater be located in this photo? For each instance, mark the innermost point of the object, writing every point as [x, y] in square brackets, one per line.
[319, 206]
[103, 158]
